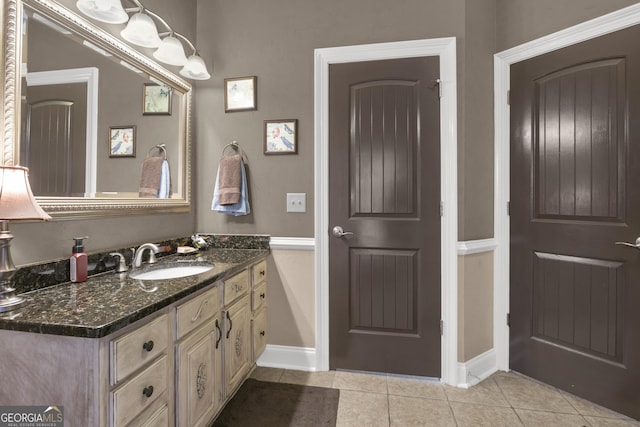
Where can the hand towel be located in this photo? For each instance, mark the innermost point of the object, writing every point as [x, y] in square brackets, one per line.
[150, 176]
[230, 180]
[237, 209]
[164, 192]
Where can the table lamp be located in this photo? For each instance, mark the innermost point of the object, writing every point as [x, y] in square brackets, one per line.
[16, 203]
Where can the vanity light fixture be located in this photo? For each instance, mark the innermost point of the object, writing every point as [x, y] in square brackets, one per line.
[16, 203]
[141, 30]
[109, 11]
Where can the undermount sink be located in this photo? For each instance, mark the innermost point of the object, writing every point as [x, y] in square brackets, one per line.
[171, 271]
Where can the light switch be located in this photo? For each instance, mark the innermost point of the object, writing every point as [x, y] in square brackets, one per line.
[296, 202]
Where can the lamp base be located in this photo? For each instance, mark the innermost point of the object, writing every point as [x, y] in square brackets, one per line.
[9, 301]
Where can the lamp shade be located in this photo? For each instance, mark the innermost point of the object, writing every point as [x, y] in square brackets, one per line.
[141, 31]
[109, 11]
[171, 52]
[16, 198]
[195, 69]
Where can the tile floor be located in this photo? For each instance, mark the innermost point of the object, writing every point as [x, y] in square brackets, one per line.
[504, 399]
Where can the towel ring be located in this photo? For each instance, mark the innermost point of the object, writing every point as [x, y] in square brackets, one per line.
[161, 148]
[236, 146]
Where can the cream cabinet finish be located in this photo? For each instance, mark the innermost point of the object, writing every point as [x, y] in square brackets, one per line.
[182, 351]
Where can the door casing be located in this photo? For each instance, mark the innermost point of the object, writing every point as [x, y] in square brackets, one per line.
[605, 24]
[445, 48]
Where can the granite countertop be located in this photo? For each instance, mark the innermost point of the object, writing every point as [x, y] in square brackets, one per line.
[110, 301]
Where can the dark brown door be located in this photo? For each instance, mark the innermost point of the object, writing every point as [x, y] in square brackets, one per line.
[384, 183]
[575, 174]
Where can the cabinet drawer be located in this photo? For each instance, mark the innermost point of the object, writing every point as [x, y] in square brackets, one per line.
[259, 326]
[259, 272]
[259, 297]
[236, 286]
[196, 311]
[139, 392]
[131, 351]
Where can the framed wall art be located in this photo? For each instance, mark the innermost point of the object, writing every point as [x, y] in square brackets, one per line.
[281, 136]
[122, 141]
[240, 94]
[156, 99]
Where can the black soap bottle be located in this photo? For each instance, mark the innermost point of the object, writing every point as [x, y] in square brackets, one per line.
[78, 263]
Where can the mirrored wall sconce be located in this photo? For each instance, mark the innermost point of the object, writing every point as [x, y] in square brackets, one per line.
[141, 30]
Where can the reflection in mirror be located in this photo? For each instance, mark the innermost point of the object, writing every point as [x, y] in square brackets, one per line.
[81, 86]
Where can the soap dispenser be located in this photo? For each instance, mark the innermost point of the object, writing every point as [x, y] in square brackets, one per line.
[78, 262]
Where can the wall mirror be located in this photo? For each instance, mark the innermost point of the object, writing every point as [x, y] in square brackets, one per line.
[83, 110]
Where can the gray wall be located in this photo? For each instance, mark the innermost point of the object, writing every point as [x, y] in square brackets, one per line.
[38, 242]
[275, 41]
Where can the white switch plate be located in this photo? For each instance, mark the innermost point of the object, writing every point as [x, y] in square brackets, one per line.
[296, 202]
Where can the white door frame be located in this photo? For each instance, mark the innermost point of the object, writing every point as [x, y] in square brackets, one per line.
[89, 76]
[600, 26]
[445, 48]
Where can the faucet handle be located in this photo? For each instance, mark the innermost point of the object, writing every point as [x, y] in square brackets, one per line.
[122, 263]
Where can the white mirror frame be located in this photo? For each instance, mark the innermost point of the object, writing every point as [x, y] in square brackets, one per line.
[10, 61]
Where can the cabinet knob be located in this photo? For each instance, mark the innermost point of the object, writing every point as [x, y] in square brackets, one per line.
[262, 295]
[148, 346]
[262, 333]
[148, 391]
[262, 272]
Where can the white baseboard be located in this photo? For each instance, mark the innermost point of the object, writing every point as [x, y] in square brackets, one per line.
[286, 357]
[477, 369]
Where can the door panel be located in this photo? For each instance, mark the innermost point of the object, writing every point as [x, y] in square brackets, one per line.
[384, 157]
[575, 165]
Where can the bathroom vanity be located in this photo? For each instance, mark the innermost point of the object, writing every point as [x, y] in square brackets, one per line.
[115, 351]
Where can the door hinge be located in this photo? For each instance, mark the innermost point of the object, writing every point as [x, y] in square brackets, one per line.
[441, 328]
[438, 82]
[441, 207]
[509, 97]
[509, 208]
[509, 319]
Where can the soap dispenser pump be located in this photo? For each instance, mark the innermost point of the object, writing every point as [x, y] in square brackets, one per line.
[78, 263]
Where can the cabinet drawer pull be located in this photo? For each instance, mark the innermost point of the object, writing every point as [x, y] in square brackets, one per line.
[230, 324]
[197, 315]
[262, 295]
[219, 332]
[261, 333]
[262, 273]
[148, 345]
[148, 391]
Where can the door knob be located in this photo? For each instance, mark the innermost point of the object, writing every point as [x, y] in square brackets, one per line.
[339, 232]
[636, 245]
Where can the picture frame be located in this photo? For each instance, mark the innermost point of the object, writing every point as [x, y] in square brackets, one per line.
[156, 99]
[240, 94]
[281, 136]
[122, 141]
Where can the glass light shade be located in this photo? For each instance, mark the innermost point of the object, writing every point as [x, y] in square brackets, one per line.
[109, 11]
[195, 69]
[141, 31]
[16, 198]
[171, 52]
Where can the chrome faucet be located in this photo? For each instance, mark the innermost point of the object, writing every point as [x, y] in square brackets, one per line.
[137, 257]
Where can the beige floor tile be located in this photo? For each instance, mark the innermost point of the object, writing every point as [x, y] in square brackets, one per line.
[474, 415]
[612, 422]
[539, 418]
[413, 387]
[486, 392]
[585, 407]
[267, 374]
[357, 408]
[524, 393]
[413, 411]
[317, 379]
[362, 382]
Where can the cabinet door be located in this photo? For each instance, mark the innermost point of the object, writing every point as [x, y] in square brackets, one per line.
[199, 385]
[237, 348]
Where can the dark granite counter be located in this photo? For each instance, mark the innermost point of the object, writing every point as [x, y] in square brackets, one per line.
[110, 301]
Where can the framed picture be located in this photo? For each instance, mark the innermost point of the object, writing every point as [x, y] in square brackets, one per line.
[240, 94]
[281, 136]
[156, 99]
[122, 141]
